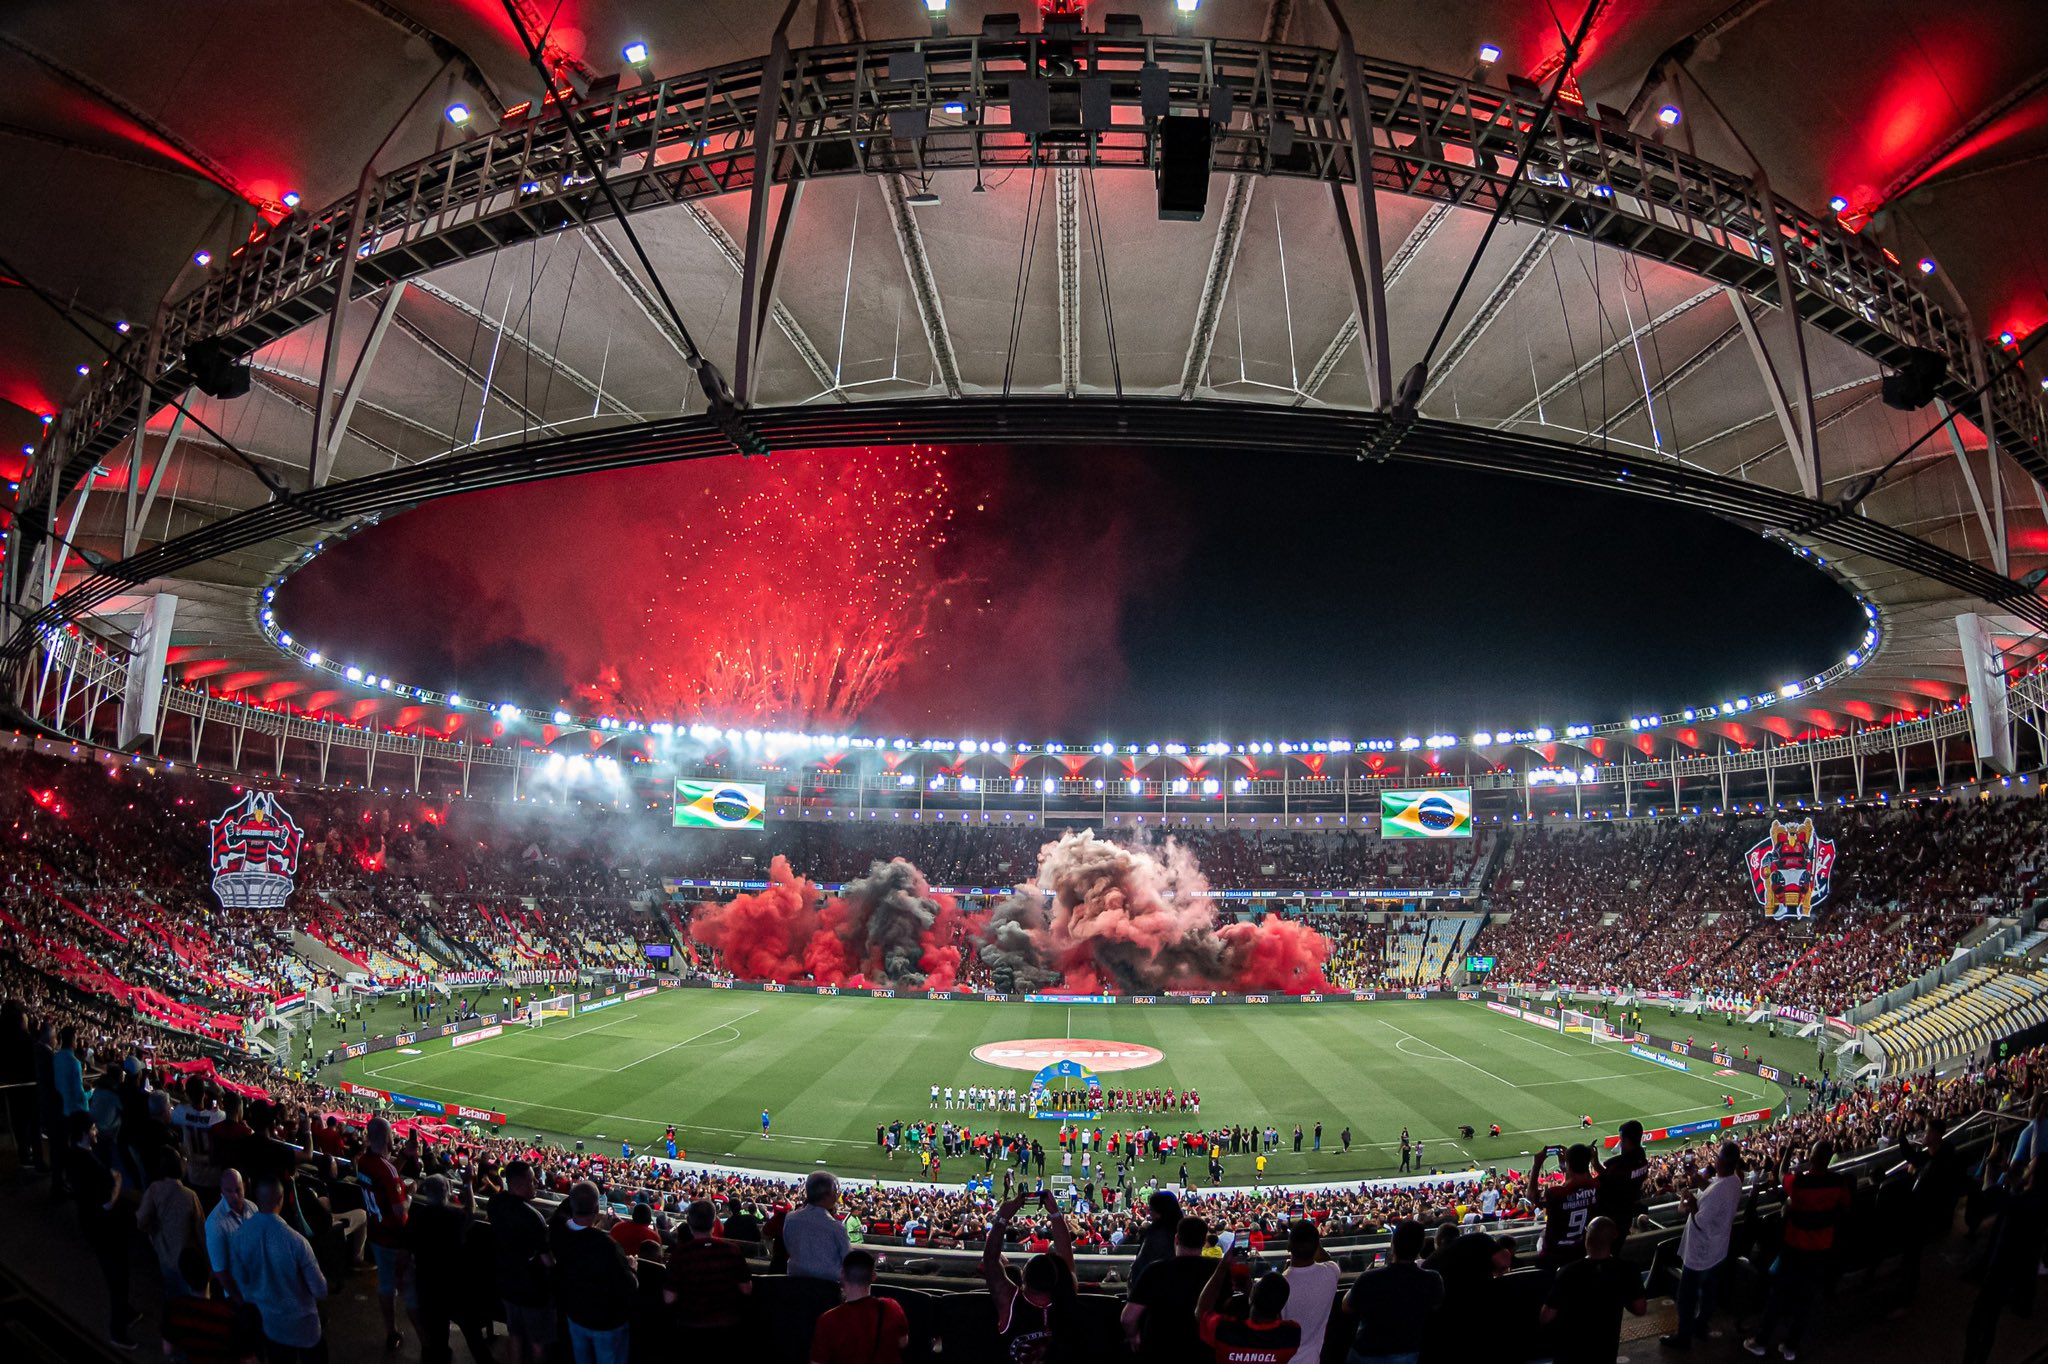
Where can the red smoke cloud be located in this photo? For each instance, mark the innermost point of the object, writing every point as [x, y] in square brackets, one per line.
[887, 928]
[1097, 918]
[1102, 917]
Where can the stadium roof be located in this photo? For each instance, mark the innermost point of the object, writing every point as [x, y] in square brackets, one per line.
[1595, 321]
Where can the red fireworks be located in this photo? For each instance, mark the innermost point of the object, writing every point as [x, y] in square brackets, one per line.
[789, 593]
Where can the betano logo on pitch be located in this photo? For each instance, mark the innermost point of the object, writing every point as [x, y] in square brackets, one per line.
[1034, 1053]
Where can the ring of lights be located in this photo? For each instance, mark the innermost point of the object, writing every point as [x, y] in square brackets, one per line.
[692, 137]
[710, 727]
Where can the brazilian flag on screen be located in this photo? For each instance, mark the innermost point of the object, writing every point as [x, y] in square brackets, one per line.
[1438, 813]
[719, 804]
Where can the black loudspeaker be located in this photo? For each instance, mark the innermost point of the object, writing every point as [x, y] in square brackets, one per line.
[1183, 173]
[218, 372]
[1911, 386]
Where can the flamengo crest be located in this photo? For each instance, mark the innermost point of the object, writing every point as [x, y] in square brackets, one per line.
[254, 851]
[1791, 869]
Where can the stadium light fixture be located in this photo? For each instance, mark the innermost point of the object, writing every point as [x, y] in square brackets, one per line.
[458, 113]
[1839, 204]
[1488, 54]
[202, 259]
[1669, 115]
[1927, 265]
[290, 199]
[2005, 338]
[84, 370]
[508, 712]
[124, 327]
[561, 717]
[1180, 6]
[636, 53]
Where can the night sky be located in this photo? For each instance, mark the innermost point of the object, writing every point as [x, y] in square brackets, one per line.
[1086, 594]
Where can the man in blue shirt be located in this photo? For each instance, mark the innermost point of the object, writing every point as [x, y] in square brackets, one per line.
[764, 1122]
[275, 1271]
[68, 1074]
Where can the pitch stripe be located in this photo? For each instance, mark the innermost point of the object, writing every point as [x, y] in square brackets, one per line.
[1447, 1056]
[684, 1043]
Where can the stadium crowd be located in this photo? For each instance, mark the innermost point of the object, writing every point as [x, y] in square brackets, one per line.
[123, 982]
[1658, 906]
[146, 1129]
[112, 863]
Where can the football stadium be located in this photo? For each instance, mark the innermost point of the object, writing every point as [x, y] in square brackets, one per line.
[855, 681]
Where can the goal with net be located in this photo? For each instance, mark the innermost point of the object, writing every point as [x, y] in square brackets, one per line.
[1592, 1027]
[541, 1010]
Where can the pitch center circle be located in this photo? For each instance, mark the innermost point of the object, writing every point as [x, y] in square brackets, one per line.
[1035, 1053]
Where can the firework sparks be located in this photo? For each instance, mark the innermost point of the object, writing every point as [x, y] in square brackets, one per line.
[792, 594]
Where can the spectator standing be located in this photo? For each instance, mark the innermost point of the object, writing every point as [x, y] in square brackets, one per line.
[708, 1286]
[386, 1200]
[863, 1329]
[1263, 1336]
[1392, 1304]
[221, 1224]
[49, 1101]
[1159, 1321]
[18, 1082]
[437, 1230]
[1586, 1300]
[1937, 1182]
[595, 1280]
[274, 1268]
[1619, 1179]
[1816, 1199]
[1567, 1205]
[813, 1235]
[1703, 1246]
[1034, 1309]
[519, 1246]
[169, 1218]
[67, 1074]
[1311, 1286]
[1156, 1243]
[2014, 1259]
[105, 1222]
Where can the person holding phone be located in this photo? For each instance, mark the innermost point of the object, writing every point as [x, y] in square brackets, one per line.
[1567, 1205]
[1265, 1336]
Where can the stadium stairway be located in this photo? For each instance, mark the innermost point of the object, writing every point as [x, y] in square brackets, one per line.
[322, 956]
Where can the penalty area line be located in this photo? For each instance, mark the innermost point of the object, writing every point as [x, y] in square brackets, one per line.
[1447, 1056]
[687, 1040]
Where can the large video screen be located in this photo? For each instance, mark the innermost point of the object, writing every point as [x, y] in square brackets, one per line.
[1441, 812]
[720, 804]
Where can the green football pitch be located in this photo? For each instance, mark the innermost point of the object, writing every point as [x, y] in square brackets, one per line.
[830, 1068]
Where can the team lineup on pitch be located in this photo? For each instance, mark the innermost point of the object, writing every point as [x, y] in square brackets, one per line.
[834, 1074]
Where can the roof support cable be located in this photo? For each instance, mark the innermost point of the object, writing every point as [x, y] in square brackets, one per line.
[1853, 495]
[724, 408]
[1412, 383]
